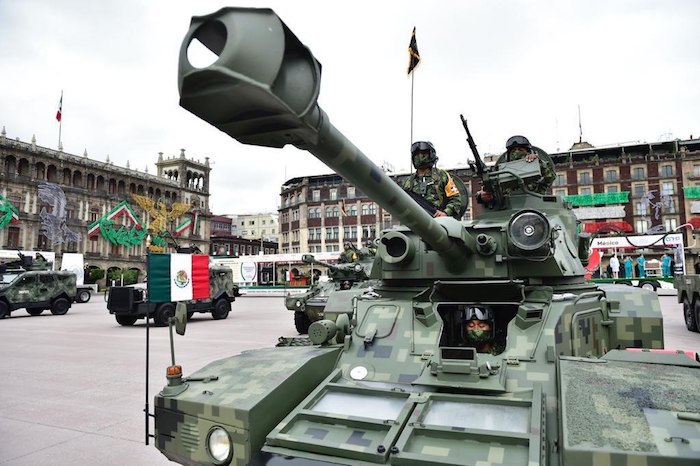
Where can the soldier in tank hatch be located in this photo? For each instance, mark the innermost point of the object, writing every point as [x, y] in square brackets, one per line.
[431, 183]
[518, 147]
[478, 330]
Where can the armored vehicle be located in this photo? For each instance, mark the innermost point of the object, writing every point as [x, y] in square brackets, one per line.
[30, 284]
[346, 279]
[130, 303]
[400, 382]
[688, 287]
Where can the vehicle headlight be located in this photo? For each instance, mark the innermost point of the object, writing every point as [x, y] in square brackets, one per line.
[358, 268]
[529, 230]
[297, 303]
[219, 444]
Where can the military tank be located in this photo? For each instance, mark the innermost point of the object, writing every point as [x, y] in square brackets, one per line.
[396, 384]
[346, 279]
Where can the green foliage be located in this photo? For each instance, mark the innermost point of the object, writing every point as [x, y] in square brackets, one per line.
[130, 276]
[96, 274]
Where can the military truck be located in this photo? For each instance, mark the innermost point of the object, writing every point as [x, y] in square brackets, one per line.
[130, 303]
[688, 287]
[25, 284]
[346, 280]
[399, 383]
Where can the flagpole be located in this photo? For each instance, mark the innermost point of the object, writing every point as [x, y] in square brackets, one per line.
[60, 120]
[413, 75]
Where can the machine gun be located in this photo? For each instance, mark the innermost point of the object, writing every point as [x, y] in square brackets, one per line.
[477, 165]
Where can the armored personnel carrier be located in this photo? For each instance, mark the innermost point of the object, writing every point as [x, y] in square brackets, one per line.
[346, 280]
[29, 283]
[399, 383]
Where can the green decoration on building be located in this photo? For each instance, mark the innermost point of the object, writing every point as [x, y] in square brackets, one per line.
[120, 235]
[582, 200]
[691, 192]
[8, 212]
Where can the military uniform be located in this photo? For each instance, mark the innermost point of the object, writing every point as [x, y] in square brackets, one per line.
[545, 181]
[438, 188]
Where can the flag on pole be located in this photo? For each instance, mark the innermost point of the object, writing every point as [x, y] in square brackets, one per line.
[60, 108]
[413, 55]
[178, 277]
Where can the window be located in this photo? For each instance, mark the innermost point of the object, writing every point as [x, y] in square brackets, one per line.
[696, 170]
[559, 192]
[667, 188]
[333, 194]
[638, 190]
[328, 233]
[640, 208]
[329, 212]
[373, 208]
[351, 192]
[641, 226]
[13, 237]
[584, 177]
[610, 176]
[352, 211]
[612, 188]
[670, 224]
[43, 242]
[316, 195]
[365, 209]
[560, 180]
[638, 173]
[666, 171]
[585, 190]
[336, 211]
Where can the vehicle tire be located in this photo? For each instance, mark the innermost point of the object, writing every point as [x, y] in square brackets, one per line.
[221, 309]
[163, 315]
[60, 306]
[34, 312]
[651, 286]
[301, 322]
[689, 315]
[83, 296]
[126, 321]
[4, 310]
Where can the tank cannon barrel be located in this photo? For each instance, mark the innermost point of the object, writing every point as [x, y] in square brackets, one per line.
[262, 89]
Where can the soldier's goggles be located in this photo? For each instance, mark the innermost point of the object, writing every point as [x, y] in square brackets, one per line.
[477, 313]
[516, 141]
[421, 145]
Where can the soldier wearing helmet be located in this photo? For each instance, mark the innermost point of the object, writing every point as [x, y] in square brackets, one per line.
[431, 183]
[478, 329]
[518, 147]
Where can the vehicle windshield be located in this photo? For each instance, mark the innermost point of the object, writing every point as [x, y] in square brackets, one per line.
[7, 278]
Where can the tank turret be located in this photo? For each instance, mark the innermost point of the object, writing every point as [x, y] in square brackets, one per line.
[480, 343]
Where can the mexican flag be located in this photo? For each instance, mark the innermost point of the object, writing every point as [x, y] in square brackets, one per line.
[177, 277]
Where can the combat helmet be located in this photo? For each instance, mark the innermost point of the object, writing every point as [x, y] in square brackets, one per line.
[419, 160]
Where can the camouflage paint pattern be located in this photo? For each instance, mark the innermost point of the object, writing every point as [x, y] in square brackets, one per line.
[37, 289]
[403, 390]
[352, 277]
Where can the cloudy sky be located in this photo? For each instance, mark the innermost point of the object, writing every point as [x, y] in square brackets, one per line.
[511, 67]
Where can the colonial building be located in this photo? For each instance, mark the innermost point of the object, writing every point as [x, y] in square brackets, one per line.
[627, 188]
[54, 201]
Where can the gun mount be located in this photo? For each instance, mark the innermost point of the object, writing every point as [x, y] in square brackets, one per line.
[400, 382]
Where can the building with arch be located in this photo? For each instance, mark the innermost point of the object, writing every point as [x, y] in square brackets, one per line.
[63, 202]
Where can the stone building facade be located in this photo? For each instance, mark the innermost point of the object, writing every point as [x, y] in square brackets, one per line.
[62, 202]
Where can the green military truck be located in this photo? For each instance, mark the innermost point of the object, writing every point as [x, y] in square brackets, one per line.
[688, 287]
[37, 291]
[130, 303]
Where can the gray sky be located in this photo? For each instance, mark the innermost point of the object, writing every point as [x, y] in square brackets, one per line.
[511, 67]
